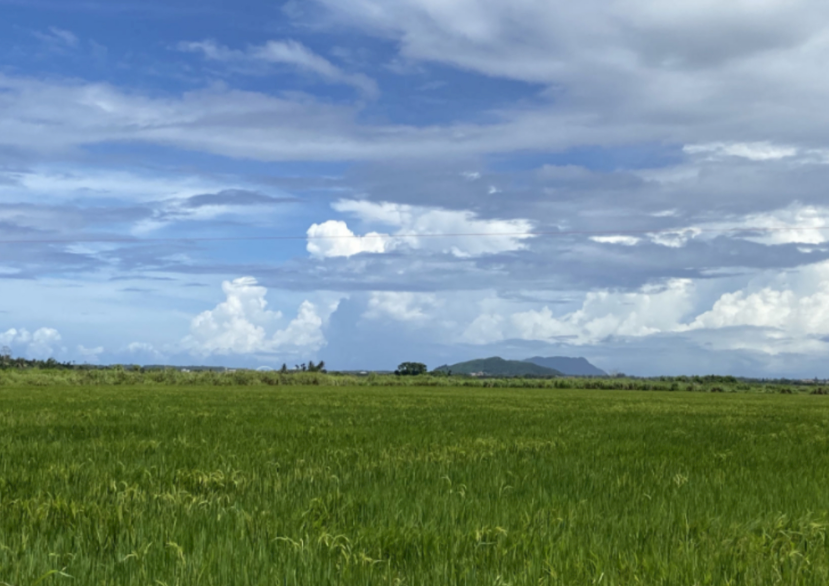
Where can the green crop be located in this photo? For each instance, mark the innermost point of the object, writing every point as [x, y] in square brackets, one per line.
[304, 485]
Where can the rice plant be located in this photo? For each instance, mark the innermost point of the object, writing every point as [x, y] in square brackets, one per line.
[157, 483]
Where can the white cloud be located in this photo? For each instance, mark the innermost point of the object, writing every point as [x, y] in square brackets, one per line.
[39, 344]
[304, 331]
[766, 308]
[623, 240]
[703, 72]
[789, 314]
[242, 324]
[58, 116]
[43, 342]
[287, 52]
[238, 323]
[602, 315]
[460, 233]
[15, 336]
[333, 238]
[794, 224]
[757, 151]
[55, 183]
[797, 303]
[487, 328]
[145, 351]
[773, 313]
[674, 238]
[58, 36]
[400, 305]
[90, 355]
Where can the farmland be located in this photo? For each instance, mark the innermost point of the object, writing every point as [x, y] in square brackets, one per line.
[216, 484]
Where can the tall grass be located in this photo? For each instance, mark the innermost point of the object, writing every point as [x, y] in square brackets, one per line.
[36, 377]
[162, 484]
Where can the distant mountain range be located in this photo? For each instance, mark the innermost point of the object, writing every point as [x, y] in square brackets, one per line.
[497, 366]
[536, 366]
[568, 366]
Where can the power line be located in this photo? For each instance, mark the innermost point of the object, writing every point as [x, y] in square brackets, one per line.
[558, 233]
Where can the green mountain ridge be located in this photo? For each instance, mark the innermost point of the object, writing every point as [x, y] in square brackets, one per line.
[497, 366]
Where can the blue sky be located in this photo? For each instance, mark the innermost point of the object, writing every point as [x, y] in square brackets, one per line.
[638, 182]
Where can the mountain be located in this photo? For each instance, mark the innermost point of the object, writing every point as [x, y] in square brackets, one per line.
[568, 366]
[496, 366]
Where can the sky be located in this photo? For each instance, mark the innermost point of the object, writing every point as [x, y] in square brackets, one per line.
[249, 183]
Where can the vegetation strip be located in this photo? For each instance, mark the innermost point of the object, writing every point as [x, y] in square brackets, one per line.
[199, 484]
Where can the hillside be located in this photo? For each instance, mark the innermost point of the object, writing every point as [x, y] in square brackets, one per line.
[497, 366]
[568, 366]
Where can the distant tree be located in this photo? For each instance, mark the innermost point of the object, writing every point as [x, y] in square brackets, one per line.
[5, 356]
[410, 369]
[284, 368]
[316, 367]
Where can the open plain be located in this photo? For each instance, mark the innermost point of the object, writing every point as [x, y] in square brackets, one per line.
[166, 485]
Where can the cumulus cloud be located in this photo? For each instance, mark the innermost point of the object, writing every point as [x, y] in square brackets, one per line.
[487, 328]
[729, 81]
[89, 355]
[771, 313]
[144, 351]
[460, 233]
[333, 238]
[402, 306]
[602, 315]
[242, 324]
[38, 344]
[794, 313]
[288, 52]
[304, 331]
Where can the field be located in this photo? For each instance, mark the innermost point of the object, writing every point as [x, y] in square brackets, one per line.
[237, 485]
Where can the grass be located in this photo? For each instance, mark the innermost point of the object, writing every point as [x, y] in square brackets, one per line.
[184, 485]
[136, 376]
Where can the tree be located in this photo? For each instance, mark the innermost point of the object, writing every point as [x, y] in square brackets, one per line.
[316, 367]
[284, 368]
[410, 369]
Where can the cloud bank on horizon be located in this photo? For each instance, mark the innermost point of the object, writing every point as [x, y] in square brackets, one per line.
[638, 182]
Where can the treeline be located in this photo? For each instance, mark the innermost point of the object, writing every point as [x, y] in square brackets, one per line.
[71, 375]
[7, 362]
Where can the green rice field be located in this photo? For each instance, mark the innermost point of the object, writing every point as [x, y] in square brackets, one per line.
[313, 485]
